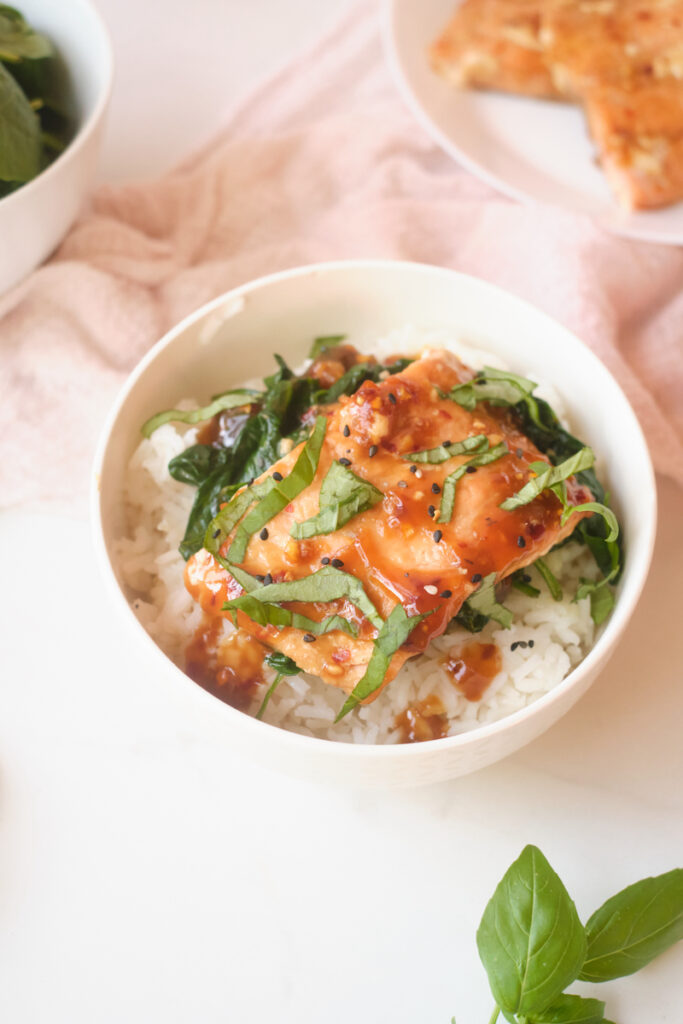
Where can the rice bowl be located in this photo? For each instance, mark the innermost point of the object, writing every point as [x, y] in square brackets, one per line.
[549, 638]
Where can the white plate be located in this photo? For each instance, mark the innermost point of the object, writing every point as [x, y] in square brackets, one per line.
[532, 150]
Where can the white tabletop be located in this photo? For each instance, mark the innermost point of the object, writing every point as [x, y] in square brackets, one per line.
[149, 875]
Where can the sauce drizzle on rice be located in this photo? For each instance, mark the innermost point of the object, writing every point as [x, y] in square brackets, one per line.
[230, 667]
[473, 667]
[423, 720]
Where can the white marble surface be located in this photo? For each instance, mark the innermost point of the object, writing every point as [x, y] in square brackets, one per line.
[148, 875]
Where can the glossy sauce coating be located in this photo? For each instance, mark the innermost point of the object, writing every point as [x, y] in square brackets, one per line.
[423, 720]
[230, 668]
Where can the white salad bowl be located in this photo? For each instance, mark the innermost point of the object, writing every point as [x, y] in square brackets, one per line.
[35, 218]
[233, 338]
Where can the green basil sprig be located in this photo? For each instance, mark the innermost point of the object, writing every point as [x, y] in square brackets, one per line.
[343, 495]
[283, 666]
[394, 632]
[443, 452]
[281, 492]
[634, 927]
[326, 341]
[533, 945]
[230, 400]
[529, 923]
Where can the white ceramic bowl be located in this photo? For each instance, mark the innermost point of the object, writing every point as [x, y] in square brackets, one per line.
[35, 218]
[232, 339]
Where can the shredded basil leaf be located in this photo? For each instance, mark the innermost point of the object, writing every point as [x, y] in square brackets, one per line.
[222, 525]
[449, 484]
[483, 601]
[327, 584]
[343, 495]
[599, 509]
[228, 400]
[550, 580]
[283, 666]
[271, 614]
[281, 492]
[548, 477]
[443, 452]
[327, 341]
[520, 581]
[357, 375]
[394, 632]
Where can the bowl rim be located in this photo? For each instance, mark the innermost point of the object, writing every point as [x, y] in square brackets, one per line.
[88, 126]
[602, 647]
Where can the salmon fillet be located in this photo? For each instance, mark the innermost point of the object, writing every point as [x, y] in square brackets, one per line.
[621, 59]
[397, 549]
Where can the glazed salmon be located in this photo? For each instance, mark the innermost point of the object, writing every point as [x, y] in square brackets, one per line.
[399, 549]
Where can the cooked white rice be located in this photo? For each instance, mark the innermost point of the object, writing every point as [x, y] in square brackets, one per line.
[562, 631]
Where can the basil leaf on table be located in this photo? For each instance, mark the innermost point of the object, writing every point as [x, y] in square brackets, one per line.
[229, 400]
[483, 602]
[20, 148]
[634, 926]
[343, 495]
[281, 492]
[448, 487]
[530, 940]
[267, 613]
[571, 1009]
[327, 584]
[394, 632]
[443, 452]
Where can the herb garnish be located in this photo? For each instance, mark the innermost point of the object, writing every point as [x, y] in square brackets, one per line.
[326, 341]
[449, 484]
[483, 602]
[533, 945]
[267, 613]
[443, 452]
[551, 581]
[394, 632]
[343, 495]
[229, 400]
[34, 126]
[327, 584]
[281, 493]
[283, 666]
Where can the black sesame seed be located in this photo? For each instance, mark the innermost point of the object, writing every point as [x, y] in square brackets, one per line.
[308, 638]
[477, 577]
[523, 643]
[431, 510]
[525, 577]
[446, 593]
[521, 543]
[372, 451]
[277, 476]
[531, 643]
[436, 489]
[413, 469]
[437, 535]
[216, 533]
[447, 444]
[519, 452]
[513, 647]
[471, 469]
[345, 462]
[392, 398]
[264, 534]
[346, 431]
[337, 563]
[325, 560]
[267, 579]
[260, 578]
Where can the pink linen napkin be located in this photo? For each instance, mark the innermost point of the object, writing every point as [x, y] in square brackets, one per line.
[321, 162]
